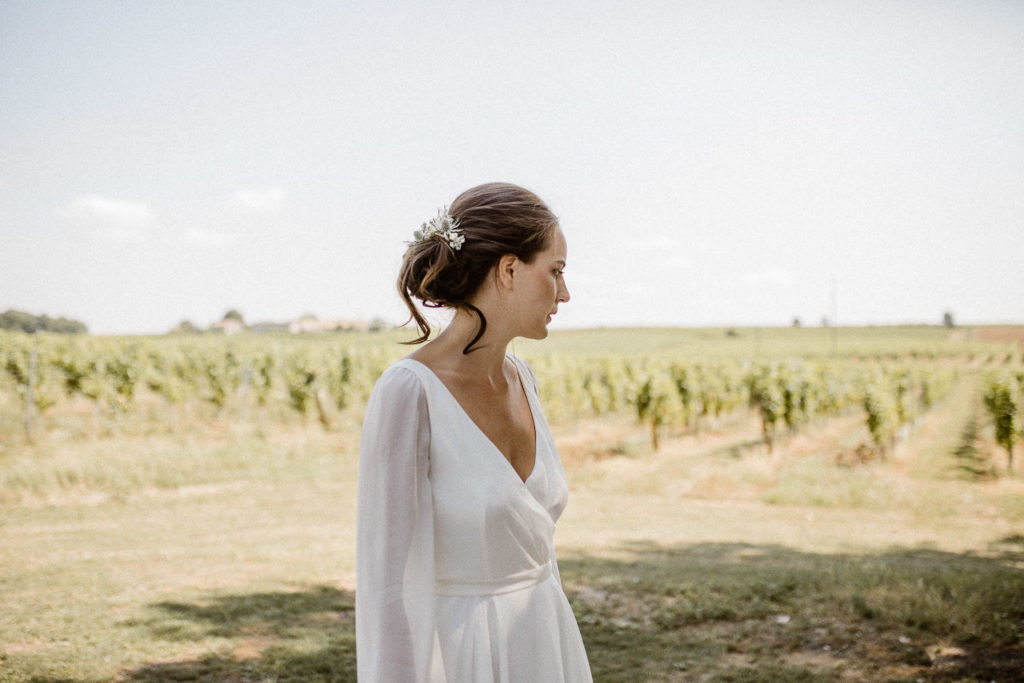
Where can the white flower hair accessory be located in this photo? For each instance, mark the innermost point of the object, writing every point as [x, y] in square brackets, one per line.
[443, 225]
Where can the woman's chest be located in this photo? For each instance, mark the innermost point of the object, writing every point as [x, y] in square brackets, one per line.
[505, 420]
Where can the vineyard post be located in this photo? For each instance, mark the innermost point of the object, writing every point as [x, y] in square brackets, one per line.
[320, 398]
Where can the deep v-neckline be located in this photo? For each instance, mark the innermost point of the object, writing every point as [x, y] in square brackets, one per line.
[481, 432]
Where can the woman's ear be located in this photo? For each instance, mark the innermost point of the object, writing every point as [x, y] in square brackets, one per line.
[506, 269]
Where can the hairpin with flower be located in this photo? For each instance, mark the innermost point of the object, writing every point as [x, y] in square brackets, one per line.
[444, 226]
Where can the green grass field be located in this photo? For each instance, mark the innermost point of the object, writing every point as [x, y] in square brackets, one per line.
[222, 549]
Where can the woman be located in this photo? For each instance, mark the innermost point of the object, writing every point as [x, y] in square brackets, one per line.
[459, 481]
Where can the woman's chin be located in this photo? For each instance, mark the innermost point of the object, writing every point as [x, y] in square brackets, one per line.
[541, 333]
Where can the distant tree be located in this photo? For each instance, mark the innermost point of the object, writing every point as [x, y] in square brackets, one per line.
[796, 322]
[378, 324]
[26, 322]
[234, 315]
[62, 325]
[18, 320]
[185, 327]
[825, 322]
[947, 319]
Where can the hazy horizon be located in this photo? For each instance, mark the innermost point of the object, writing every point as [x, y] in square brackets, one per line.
[439, 322]
[713, 165]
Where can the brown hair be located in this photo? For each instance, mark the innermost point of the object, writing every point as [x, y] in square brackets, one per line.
[495, 219]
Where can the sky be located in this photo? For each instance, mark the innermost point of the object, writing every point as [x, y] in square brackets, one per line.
[711, 163]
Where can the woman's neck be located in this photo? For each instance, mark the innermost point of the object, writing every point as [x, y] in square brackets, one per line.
[488, 355]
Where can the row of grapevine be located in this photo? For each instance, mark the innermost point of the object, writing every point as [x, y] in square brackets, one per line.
[895, 396]
[1004, 402]
[42, 370]
[785, 394]
[310, 376]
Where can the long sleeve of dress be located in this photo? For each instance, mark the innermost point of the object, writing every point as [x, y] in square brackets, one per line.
[395, 632]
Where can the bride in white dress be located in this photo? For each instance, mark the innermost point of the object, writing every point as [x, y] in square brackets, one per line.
[460, 485]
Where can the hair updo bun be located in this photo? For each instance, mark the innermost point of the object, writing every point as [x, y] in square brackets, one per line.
[495, 219]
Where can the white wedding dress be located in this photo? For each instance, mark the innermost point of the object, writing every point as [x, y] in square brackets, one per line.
[456, 578]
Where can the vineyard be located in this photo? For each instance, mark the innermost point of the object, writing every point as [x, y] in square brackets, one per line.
[747, 504]
[92, 385]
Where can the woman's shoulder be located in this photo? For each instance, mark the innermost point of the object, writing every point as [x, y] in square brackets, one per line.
[518, 361]
[402, 375]
[524, 368]
[398, 389]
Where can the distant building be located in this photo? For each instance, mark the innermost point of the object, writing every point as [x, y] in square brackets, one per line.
[305, 324]
[228, 326]
[310, 323]
[351, 325]
[269, 326]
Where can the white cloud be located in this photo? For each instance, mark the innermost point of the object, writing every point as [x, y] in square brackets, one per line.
[95, 207]
[258, 200]
[112, 219]
[208, 238]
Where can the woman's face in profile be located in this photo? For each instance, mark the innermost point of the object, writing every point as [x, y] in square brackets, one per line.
[540, 287]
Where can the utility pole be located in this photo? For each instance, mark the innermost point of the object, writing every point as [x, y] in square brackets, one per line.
[835, 317]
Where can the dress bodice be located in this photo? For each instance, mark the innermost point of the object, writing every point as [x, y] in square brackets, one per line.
[492, 530]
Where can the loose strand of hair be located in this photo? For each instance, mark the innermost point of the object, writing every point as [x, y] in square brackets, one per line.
[421, 323]
[468, 349]
[414, 314]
